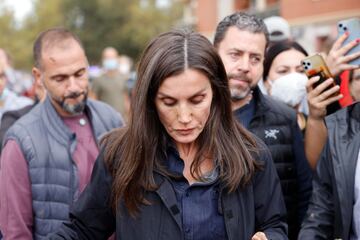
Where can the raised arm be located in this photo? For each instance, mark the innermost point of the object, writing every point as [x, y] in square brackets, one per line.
[336, 60]
[315, 133]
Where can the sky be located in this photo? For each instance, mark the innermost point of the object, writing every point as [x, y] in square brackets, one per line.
[21, 7]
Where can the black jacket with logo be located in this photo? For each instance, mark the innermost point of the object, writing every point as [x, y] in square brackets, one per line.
[276, 124]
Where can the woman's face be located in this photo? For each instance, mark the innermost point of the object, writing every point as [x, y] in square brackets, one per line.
[183, 103]
[285, 63]
[355, 85]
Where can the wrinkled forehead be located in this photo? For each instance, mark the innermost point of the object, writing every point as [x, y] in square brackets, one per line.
[59, 45]
[244, 40]
[62, 50]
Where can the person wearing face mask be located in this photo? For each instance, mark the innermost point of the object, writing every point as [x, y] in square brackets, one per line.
[284, 58]
[110, 87]
[321, 100]
[291, 89]
[125, 64]
[281, 59]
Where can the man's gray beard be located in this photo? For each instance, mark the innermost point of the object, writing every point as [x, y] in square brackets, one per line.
[74, 109]
[236, 95]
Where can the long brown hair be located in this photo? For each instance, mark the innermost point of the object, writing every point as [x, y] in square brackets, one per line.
[134, 152]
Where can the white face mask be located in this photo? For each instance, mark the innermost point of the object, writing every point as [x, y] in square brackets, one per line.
[289, 89]
[110, 64]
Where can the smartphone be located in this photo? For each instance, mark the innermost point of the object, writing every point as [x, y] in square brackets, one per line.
[315, 66]
[352, 26]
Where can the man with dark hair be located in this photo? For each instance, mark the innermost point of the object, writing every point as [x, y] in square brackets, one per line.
[49, 153]
[241, 40]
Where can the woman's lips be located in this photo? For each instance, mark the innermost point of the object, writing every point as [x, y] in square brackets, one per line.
[186, 131]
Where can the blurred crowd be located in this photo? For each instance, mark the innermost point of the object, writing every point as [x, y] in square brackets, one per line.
[53, 123]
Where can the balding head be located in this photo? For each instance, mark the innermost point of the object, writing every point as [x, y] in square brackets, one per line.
[60, 38]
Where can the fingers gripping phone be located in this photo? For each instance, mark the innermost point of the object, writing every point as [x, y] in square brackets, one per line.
[315, 66]
[352, 26]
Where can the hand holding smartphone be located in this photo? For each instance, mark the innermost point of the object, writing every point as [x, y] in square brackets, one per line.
[351, 27]
[321, 93]
[315, 66]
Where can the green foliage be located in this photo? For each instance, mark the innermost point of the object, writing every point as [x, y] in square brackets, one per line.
[127, 25]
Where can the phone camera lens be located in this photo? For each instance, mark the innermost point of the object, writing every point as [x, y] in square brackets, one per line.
[308, 64]
[340, 25]
[345, 28]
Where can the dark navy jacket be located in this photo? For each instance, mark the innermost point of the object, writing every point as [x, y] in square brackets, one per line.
[257, 207]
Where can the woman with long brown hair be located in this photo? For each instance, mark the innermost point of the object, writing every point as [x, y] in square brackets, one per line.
[183, 168]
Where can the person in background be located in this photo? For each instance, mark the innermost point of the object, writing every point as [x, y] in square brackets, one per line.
[49, 153]
[284, 79]
[16, 81]
[183, 168]
[323, 99]
[10, 117]
[282, 59]
[278, 29]
[334, 209]
[9, 100]
[125, 65]
[130, 84]
[354, 86]
[110, 87]
[241, 40]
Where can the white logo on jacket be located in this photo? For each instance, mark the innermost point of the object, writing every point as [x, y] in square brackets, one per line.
[271, 133]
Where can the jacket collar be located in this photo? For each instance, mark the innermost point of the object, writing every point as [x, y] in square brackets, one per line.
[261, 103]
[56, 126]
[168, 197]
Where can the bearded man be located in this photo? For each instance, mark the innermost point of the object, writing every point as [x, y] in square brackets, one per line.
[49, 154]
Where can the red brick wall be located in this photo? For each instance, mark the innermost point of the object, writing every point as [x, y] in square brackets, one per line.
[206, 13]
[293, 9]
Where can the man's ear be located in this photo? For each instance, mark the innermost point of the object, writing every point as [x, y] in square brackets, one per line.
[37, 76]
